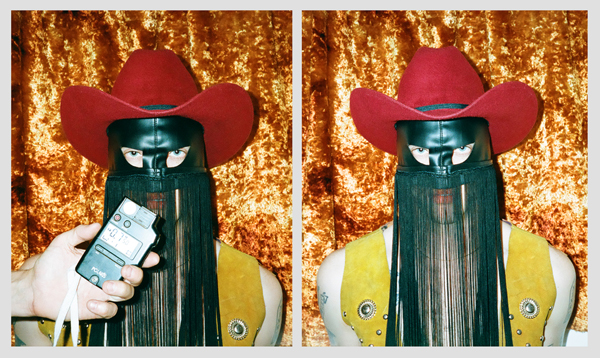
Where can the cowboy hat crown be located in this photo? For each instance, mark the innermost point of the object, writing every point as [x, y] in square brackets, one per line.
[146, 75]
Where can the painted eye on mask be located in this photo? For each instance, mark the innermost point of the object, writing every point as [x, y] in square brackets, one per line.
[133, 156]
[176, 157]
[459, 155]
[420, 154]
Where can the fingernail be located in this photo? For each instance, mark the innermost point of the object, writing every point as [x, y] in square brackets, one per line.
[93, 306]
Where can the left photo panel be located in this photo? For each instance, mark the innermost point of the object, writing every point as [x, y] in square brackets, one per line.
[187, 114]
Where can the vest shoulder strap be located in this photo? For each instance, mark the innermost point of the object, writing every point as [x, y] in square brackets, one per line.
[365, 288]
[530, 287]
[241, 301]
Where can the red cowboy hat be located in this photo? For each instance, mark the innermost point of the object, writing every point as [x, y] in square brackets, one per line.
[440, 84]
[157, 79]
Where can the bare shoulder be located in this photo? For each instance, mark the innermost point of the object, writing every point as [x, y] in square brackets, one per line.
[332, 265]
[565, 280]
[270, 283]
[270, 331]
[329, 278]
[561, 262]
[329, 284]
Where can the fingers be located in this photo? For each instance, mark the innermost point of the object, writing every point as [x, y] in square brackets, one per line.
[118, 290]
[151, 260]
[124, 290]
[132, 275]
[102, 309]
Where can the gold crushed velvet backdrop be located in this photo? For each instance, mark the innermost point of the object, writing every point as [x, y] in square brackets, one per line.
[348, 184]
[54, 188]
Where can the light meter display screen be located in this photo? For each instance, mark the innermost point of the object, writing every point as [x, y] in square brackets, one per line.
[120, 240]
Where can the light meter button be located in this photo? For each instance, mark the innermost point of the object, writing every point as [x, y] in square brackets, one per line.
[127, 223]
[94, 279]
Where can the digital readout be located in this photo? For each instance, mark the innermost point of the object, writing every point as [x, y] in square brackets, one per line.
[120, 240]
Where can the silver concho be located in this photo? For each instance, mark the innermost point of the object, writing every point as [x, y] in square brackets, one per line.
[237, 329]
[529, 308]
[367, 309]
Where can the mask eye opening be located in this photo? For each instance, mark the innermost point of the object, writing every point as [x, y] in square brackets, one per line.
[176, 157]
[420, 154]
[133, 156]
[461, 154]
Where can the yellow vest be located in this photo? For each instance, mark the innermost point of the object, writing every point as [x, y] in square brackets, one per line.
[241, 301]
[530, 286]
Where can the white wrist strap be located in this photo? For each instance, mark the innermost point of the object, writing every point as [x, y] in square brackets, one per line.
[70, 301]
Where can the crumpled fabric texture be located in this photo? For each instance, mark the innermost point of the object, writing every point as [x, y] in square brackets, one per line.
[53, 188]
[348, 184]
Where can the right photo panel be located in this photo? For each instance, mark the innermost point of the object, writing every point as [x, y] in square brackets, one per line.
[444, 178]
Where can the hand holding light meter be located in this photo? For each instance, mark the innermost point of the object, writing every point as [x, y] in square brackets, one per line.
[125, 239]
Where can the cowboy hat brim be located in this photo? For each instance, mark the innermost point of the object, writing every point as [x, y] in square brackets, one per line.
[510, 108]
[224, 110]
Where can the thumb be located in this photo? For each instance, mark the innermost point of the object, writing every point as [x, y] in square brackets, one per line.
[83, 233]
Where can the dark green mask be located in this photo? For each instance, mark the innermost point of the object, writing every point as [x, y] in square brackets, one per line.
[156, 138]
[443, 147]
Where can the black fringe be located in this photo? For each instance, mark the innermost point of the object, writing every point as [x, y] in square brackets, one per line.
[444, 276]
[178, 302]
